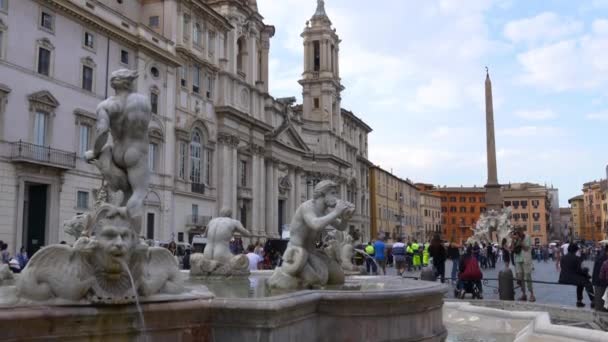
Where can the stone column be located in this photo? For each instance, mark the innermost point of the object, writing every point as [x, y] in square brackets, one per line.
[262, 199]
[255, 192]
[274, 228]
[298, 187]
[269, 196]
[292, 200]
[227, 179]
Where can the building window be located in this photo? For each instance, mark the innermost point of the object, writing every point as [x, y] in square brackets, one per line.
[84, 132]
[82, 200]
[1, 42]
[472, 209]
[89, 40]
[241, 53]
[463, 199]
[211, 47]
[196, 34]
[472, 199]
[536, 227]
[452, 209]
[47, 20]
[243, 169]
[463, 209]
[195, 157]
[183, 72]
[154, 102]
[87, 78]
[4, 5]
[524, 204]
[452, 199]
[152, 156]
[209, 86]
[183, 156]
[316, 55]
[154, 21]
[124, 57]
[40, 128]
[196, 79]
[44, 61]
[208, 167]
[316, 102]
[186, 27]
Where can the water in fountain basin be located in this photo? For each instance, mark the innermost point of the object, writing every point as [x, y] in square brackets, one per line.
[141, 314]
[367, 256]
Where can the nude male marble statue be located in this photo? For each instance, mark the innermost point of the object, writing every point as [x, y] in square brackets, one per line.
[120, 149]
[303, 264]
[216, 259]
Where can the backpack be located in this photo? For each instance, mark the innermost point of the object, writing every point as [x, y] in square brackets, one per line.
[471, 270]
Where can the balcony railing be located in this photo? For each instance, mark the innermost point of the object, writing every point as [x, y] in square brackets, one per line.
[198, 221]
[38, 154]
[198, 188]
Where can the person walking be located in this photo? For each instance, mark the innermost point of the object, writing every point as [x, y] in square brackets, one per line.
[399, 256]
[370, 265]
[599, 286]
[523, 263]
[454, 256]
[425, 255]
[438, 253]
[417, 256]
[409, 257]
[380, 254]
[573, 274]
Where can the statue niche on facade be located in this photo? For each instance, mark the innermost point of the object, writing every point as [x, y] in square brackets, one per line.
[108, 262]
[304, 265]
[216, 259]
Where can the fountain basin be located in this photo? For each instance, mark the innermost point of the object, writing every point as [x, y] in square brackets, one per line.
[366, 309]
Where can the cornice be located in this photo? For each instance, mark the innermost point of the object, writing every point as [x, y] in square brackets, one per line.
[114, 31]
[243, 117]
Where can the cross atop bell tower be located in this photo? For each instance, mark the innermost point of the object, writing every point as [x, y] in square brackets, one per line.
[320, 81]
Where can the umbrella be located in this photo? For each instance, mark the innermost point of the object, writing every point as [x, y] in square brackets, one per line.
[603, 242]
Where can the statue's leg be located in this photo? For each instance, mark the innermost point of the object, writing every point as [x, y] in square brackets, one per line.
[138, 175]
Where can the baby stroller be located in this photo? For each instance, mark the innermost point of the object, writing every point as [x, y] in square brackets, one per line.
[468, 286]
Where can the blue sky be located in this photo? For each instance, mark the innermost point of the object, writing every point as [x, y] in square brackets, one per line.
[414, 71]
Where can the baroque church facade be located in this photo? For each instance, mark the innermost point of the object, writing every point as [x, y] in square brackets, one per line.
[218, 138]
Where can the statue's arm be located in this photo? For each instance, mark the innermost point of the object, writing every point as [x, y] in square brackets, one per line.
[318, 223]
[340, 224]
[239, 228]
[102, 130]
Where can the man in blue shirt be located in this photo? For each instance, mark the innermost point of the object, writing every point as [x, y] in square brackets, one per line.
[380, 255]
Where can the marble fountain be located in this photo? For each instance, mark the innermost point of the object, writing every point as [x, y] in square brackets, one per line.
[110, 286]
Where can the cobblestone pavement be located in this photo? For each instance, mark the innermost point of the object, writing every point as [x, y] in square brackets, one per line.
[545, 293]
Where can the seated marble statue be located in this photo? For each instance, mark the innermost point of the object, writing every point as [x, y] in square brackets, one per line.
[305, 266]
[96, 269]
[216, 259]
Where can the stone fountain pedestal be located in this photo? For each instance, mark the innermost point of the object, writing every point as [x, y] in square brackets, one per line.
[376, 309]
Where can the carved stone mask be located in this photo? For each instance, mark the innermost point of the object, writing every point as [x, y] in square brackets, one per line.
[115, 243]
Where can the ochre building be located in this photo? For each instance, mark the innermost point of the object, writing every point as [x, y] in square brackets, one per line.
[460, 210]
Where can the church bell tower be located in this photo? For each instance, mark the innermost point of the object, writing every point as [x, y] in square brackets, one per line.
[320, 81]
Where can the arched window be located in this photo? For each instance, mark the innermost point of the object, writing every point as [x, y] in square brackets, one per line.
[196, 149]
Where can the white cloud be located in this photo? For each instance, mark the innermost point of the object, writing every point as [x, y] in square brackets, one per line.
[536, 114]
[597, 116]
[546, 26]
[577, 63]
[530, 131]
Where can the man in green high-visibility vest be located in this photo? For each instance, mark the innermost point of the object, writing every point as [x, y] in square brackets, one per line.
[370, 265]
[417, 257]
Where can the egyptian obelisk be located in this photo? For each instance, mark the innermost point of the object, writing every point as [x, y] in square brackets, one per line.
[493, 195]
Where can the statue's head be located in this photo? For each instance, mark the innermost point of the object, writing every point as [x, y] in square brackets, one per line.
[328, 190]
[226, 212]
[115, 242]
[122, 79]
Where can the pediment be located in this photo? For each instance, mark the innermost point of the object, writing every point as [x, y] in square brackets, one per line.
[290, 137]
[44, 97]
